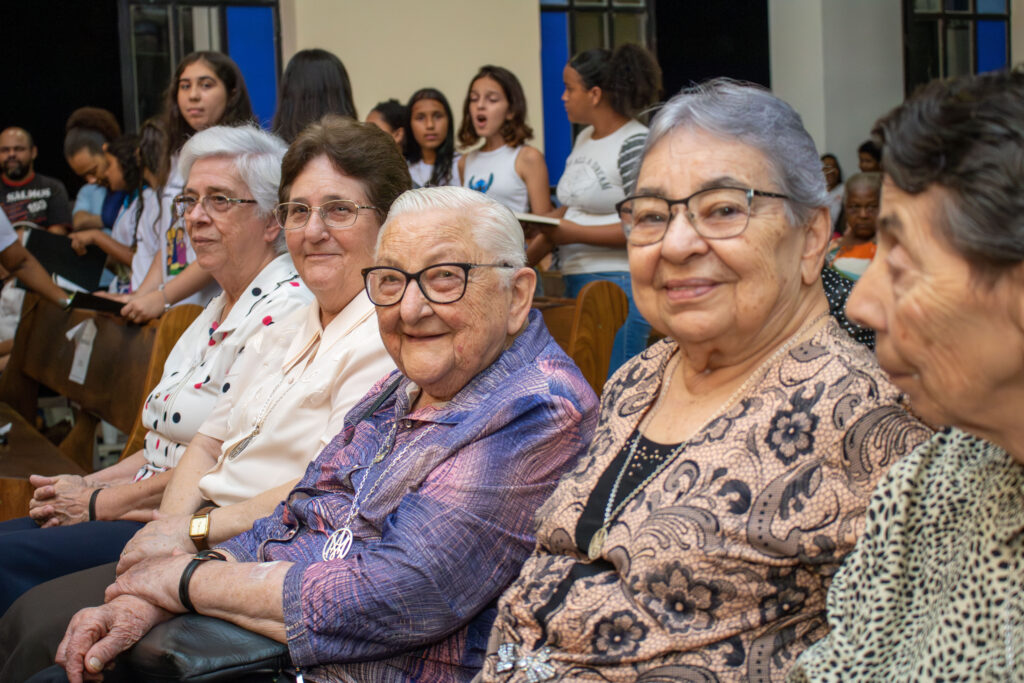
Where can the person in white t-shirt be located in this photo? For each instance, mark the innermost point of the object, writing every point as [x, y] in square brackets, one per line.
[604, 91]
[505, 168]
[430, 140]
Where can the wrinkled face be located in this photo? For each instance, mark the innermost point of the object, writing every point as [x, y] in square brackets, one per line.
[488, 106]
[235, 240]
[329, 260]
[725, 292]
[442, 347]
[429, 124]
[867, 163]
[90, 167]
[946, 338]
[16, 153]
[575, 97]
[202, 96]
[861, 212]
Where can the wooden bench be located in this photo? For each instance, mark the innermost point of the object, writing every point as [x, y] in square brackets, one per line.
[585, 327]
[125, 364]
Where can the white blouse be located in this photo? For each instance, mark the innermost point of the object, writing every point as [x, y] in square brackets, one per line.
[297, 380]
[195, 370]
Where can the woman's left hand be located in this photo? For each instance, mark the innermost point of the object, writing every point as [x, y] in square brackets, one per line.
[82, 239]
[144, 308]
[155, 580]
[60, 501]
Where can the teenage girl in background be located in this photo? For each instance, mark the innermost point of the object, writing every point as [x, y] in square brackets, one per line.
[314, 83]
[430, 140]
[392, 117]
[87, 130]
[604, 91]
[504, 168]
[207, 90]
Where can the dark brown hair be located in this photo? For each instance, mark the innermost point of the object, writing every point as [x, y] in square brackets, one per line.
[629, 78]
[514, 131]
[359, 150]
[237, 109]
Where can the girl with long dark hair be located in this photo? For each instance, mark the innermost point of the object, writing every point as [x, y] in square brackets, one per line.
[430, 140]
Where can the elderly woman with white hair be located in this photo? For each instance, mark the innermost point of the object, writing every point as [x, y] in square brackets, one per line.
[386, 558]
[730, 470]
[227, 205]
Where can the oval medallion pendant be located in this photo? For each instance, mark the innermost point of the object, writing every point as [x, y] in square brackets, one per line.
[241, 446]
[338, 545]
[597, 543]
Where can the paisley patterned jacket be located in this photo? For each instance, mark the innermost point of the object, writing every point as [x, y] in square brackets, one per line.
[718, 569]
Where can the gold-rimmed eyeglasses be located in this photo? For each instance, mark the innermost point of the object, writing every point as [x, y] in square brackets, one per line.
[212, 203]
[337, 213]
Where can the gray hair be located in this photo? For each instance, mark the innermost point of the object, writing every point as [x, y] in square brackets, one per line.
[748, 113]
[871, 181]
[493, 227]
[257, 158]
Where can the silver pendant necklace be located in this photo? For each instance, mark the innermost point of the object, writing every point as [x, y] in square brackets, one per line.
[339, 543]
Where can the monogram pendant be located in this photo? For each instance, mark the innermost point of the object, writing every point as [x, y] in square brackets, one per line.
[597, 543]
[338, 545]
[242, 445]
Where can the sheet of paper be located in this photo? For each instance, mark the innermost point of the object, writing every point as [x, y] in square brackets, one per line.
[534, 218]
[83, 334]
[66, 284]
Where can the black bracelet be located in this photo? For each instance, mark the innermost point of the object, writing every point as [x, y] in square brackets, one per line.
[186, 576]
[92, 504]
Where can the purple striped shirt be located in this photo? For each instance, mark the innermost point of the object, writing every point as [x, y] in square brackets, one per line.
[440, 536]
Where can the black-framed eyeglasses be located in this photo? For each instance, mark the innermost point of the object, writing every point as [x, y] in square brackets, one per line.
[212, 203]
[337, 213]
[441, 283]
[716, 213]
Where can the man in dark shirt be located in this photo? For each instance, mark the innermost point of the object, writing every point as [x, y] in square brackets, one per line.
[24, 194]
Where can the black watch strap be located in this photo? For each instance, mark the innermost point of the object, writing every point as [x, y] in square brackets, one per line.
[190, 569]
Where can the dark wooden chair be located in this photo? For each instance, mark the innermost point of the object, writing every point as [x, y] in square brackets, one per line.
[585, 327]
[125, 364]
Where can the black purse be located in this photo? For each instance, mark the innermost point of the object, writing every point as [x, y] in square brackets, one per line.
[201, 649]
[193, 648]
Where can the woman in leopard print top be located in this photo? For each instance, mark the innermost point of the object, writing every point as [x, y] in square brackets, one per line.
[933, 590]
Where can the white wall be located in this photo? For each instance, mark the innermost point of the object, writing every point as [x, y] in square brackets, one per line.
[392, 48]
[840, 64]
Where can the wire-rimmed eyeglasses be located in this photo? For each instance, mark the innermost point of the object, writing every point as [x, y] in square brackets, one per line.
[441, 283]
[212, 203]
[336, 213]
[715, 213]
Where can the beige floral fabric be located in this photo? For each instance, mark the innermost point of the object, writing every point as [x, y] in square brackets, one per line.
[718, 569]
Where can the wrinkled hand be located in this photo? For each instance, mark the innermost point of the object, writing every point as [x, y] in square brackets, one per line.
[81, 239]
[97, 635]
[144, 308]
[159, 538]
[155, 580]
[60, 500]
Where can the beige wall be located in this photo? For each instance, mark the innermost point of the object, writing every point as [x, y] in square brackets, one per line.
[393, 47]
[840, 65]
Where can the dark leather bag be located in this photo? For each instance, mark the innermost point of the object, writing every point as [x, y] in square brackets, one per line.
[201, 649]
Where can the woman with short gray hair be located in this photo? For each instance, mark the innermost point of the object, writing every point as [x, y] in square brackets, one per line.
[87, 520]
[729, 472]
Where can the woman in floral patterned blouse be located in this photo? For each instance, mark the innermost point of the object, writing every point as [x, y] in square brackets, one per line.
[734, 460]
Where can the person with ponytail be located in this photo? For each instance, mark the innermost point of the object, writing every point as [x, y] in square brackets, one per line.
[605, 92]
[87, 130]
[392, 117]
[430, 140]
[504, 168]
[314, 83]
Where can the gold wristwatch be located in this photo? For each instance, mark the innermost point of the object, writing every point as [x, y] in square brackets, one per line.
[199, 527]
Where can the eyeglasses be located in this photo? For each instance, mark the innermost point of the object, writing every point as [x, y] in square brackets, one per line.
[441, 283]
[212, 203]
[337, 213]
[716, 213]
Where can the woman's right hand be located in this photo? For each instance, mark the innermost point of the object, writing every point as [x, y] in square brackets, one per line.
[113, 296]
[144, 308]
[96, 635]
[82, 239]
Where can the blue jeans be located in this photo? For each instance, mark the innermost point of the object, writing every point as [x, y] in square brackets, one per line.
[631, 338]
